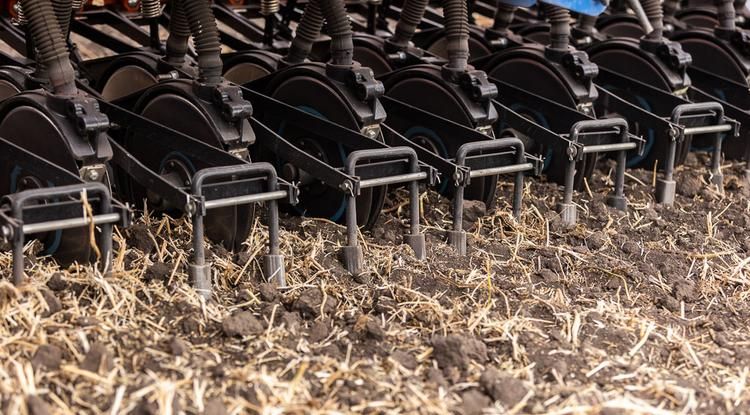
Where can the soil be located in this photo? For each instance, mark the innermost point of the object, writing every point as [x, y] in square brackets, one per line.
[642, 311]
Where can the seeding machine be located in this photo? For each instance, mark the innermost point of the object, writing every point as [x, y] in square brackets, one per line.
[320, 107]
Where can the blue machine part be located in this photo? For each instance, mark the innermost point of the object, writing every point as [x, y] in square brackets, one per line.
[587, 7]
[519, 3]
[55, 244]
[312, 111]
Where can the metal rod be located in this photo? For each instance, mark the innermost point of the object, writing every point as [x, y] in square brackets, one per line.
[383, 181]
[708, 129]
[244, 200]
[63, 224]
[351, 221]
[607, 148]
[515, 168]
[641, 15]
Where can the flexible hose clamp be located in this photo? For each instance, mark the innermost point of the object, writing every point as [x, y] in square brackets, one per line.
[474, 82]
[233, 105]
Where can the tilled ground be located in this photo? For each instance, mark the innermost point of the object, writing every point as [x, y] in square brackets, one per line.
[639, 312]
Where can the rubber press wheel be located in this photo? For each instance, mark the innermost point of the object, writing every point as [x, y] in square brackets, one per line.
[229, 226]
[35, 131]
[536, 78]
[316, 97]
[431, 96]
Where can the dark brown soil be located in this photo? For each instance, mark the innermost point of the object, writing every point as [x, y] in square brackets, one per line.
[643, 311]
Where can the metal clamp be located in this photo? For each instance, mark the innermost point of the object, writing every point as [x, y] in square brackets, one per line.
[14, 229]
[200, 271]
[352, 252]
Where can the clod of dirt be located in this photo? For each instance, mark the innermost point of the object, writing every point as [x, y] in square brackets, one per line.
[631, 248]
[549, 276]
[474, 402]
[57, 282]
[689, 186]
[241, 324]
[47, 356]
[36, 406]
[668, 302]
[370, 328]
[98, 359]
[473, 210]
[318, 332]
[178, 347]
[309, 303]
[269, 292]
[436, 377]
[457, 351]
[503, 387]
[138, 237]
[405, 359]
[159, 271]
[215, 407]
[597, 240]
[684, 290]
[53, 303]
[291, 321]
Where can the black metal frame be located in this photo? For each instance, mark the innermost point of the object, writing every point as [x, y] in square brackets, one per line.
[58, 207]
[576, 135]
[234, 182]
[480, 156]
[687, 119]
[369, 164]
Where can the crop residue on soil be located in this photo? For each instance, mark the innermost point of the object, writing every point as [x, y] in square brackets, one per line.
[639, 312]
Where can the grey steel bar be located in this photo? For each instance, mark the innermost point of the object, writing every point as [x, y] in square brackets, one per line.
[63, 224]
[244, 200]
[383, 181]
[515, 168]
[707, 129]
[607, 148]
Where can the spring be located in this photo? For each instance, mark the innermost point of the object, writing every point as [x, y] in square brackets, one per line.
[655, 15]
[20, 18]
[457, 33]
[77, 4]
[559, 20]
[150, 9]
[269, 7]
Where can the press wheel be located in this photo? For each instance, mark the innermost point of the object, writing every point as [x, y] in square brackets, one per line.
[36, 132]
[230, 225]
[538, 79]
[317, 199]
[433, 97]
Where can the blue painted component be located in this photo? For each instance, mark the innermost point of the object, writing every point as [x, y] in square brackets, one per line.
[55, 245]
[419, 130]
[650, 137]
[587, 7]
[540, 119]
[519, 3]
[340, 211]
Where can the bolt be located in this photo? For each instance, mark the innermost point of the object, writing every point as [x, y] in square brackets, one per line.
[6, 233]
[92, 175]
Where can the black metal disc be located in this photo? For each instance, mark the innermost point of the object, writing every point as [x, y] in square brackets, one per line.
[537, 78]
[709, 56]
[372, 59]
[35, 131]
[230, 225]
[316, 199]
[7, 89]
[635, 66]
[621, 27]
[244, 72]
[432, 97]
[125, 81]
